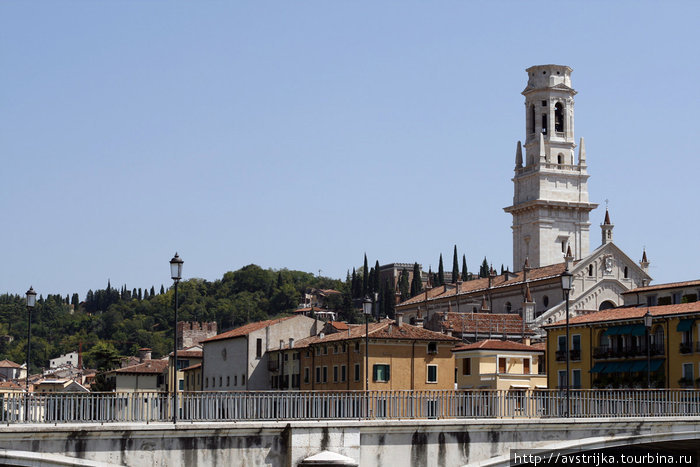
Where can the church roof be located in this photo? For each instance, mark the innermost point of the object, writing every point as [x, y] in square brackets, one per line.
[481, 285]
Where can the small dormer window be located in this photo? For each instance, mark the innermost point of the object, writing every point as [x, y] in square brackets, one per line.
[432, 347]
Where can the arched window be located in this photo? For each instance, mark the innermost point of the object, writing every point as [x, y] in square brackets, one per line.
[531, 120]
[559, 117]
[590, 270]
[606, 305]
[544, 124]
[560, 159]
[545, 301]
[625, 272]
[509, 307]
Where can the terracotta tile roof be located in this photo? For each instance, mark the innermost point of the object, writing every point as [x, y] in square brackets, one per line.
[491, 344]
[386, 329]
[539, 346]
[147, 367]
[670, 285]
[339, 325]
[246, 329]
[8, 364]
[193, 367]
[623, 314]
[187, 354]
[308, 309]
[10, 385]
[469, 323]
[480, 285]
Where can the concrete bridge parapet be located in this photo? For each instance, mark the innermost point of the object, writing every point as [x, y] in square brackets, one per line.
[370, 443]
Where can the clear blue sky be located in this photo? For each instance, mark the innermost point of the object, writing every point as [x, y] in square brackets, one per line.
[303, 134]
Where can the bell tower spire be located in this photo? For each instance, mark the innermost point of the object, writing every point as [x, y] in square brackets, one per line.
[550, 204]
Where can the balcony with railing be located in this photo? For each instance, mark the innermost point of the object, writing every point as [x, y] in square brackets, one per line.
[574, 355]
[605, 351]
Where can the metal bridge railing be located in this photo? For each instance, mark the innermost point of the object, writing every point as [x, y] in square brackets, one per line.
[146, 407]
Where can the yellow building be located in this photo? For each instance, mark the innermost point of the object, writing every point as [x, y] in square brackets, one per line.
[609, 348]
[193, 377]
[401, 357]
[499, 364]
[185, 358]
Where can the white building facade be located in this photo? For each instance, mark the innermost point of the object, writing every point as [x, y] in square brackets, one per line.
[237, 360]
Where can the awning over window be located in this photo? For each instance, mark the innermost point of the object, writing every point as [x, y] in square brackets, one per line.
[626, 367]
[685, 325]
[634, 329]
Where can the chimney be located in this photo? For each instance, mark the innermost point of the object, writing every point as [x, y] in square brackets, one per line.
[526, 340]
[399, 319]
[291, 342]
[419, 319]
[484, 305]
[144, 354]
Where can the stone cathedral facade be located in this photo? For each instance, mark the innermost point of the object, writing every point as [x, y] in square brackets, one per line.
[551, 227]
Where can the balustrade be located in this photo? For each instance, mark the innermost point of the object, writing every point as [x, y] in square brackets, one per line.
[358, 405]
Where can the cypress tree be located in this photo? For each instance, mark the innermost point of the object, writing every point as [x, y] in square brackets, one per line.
[140, 294]
[370, 281]
[404, 291]
[365, 277]
[441, 273]
[134, 293]
[455, 266]
[153, 291]
[389, 297]
[75, 300]
[465, 274]
[145, 294]
[353, 284]
[484, 269]
[416, 282]
[162, 289]
[376, 284]
[502, 270]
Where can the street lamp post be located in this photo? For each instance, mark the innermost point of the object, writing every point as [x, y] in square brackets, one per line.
[566, 282]
[367, 310]
[647, 325]
[176, 275]
[31, 302]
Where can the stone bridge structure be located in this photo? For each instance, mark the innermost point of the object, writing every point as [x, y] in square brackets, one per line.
[450, 442]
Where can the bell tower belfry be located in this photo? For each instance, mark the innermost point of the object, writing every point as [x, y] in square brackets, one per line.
[550, 201]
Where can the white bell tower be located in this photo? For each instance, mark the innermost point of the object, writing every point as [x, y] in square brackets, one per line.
[550, 202]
